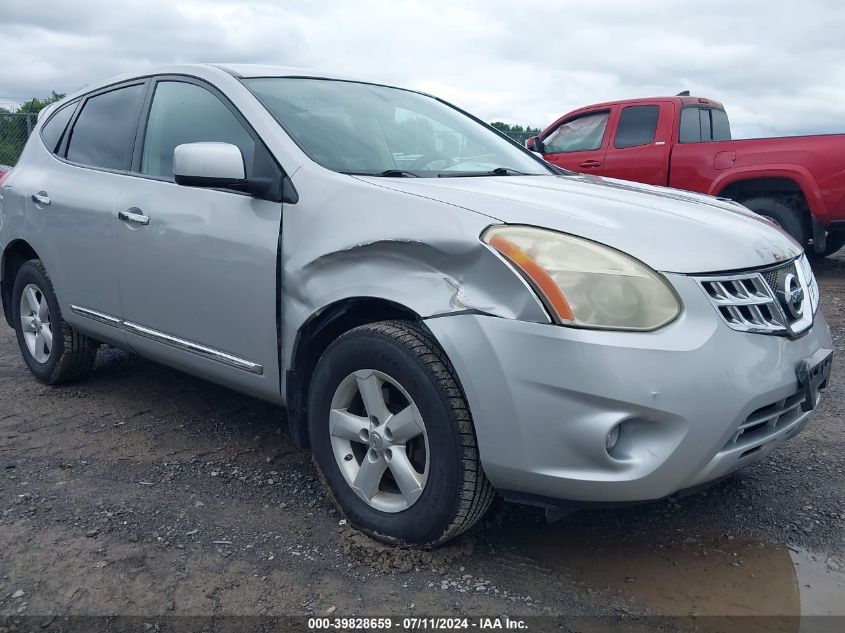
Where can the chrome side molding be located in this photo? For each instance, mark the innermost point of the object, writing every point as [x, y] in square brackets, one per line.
[194, 348]
[172, 341]
[97, 316]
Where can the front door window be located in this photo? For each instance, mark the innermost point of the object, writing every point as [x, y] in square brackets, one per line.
[578, 135]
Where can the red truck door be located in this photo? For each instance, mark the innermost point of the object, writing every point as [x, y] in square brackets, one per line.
[578, 143]
[641, 143]
[698, 158]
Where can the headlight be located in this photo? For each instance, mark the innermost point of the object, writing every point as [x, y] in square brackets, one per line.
[810, 279]
[586, 284]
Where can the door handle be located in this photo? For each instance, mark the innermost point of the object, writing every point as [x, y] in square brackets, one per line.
[590, 164]
[41, 198]
[133, 217]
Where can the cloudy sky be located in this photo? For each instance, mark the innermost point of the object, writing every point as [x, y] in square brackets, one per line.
[777, 65]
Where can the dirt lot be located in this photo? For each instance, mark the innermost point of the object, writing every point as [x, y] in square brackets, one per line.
[145, 491]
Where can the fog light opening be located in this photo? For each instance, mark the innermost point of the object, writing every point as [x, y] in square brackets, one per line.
[612, 439]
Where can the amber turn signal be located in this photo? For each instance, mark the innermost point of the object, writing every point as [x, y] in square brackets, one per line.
[549, 290]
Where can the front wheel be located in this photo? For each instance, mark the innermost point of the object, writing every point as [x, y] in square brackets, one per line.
[833, 242]
[393, 437]
[782, 213]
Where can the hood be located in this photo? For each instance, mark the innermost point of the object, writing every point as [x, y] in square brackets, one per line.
[670, 230]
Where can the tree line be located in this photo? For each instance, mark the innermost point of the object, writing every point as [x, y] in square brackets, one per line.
[509, 128]
[14, 130]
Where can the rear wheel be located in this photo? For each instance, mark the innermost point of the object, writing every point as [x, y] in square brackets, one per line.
[52, 350]
[392, 436]
[785, 215]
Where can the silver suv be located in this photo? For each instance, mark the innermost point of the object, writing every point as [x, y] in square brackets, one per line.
[442, 313]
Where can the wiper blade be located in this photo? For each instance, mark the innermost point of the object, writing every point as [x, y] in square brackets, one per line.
[398, 173]
[387, 173]
[498, 171]
[507, 171]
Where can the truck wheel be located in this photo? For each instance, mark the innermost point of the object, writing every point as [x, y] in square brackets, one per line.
[833, 242]
[52, 350]
[779, 211]
[393, 438]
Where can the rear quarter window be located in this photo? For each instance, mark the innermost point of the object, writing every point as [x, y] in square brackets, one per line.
[721, 125]
[703, 124]
[54, 128]
[706, 133]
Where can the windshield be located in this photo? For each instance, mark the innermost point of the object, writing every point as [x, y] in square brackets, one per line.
[361, 128]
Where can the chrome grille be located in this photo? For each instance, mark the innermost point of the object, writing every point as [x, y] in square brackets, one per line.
[771, 275]
[749, 301]
[746, 302]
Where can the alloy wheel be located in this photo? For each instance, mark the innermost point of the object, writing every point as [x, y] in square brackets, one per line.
[35, 323]
[379, 440]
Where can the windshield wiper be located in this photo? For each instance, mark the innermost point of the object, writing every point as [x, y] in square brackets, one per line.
[398, 173]
[498, 171]
[507, 171]
[387, 173]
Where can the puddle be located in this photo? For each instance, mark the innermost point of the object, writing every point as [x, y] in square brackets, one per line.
[822, 589]
[706, 577]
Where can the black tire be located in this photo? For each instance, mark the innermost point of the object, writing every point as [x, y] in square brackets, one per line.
[834, 240]
[783, 213]
[72, 355]
[456, 493]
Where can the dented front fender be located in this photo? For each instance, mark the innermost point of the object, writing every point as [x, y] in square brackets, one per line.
[341, 241]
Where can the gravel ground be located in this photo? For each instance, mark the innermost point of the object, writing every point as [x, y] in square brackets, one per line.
[144, 491]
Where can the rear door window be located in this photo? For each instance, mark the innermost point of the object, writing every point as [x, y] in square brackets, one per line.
[104, 131]
[637, 126]
[54, 129]
[578, 135]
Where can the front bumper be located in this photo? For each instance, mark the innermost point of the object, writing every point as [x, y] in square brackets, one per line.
[544, 398]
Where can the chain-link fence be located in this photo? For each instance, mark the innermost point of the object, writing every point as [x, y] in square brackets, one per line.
[14, 130]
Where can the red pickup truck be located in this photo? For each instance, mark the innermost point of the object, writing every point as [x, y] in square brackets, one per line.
[685, 142]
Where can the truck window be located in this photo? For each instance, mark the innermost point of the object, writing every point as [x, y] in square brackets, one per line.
[704, 124]
[721, 126]
[578, 135]
[690, 131]
[706, 134]
[637, 126]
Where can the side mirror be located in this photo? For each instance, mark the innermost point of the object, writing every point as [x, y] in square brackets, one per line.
[534, 144]
[214, 165]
